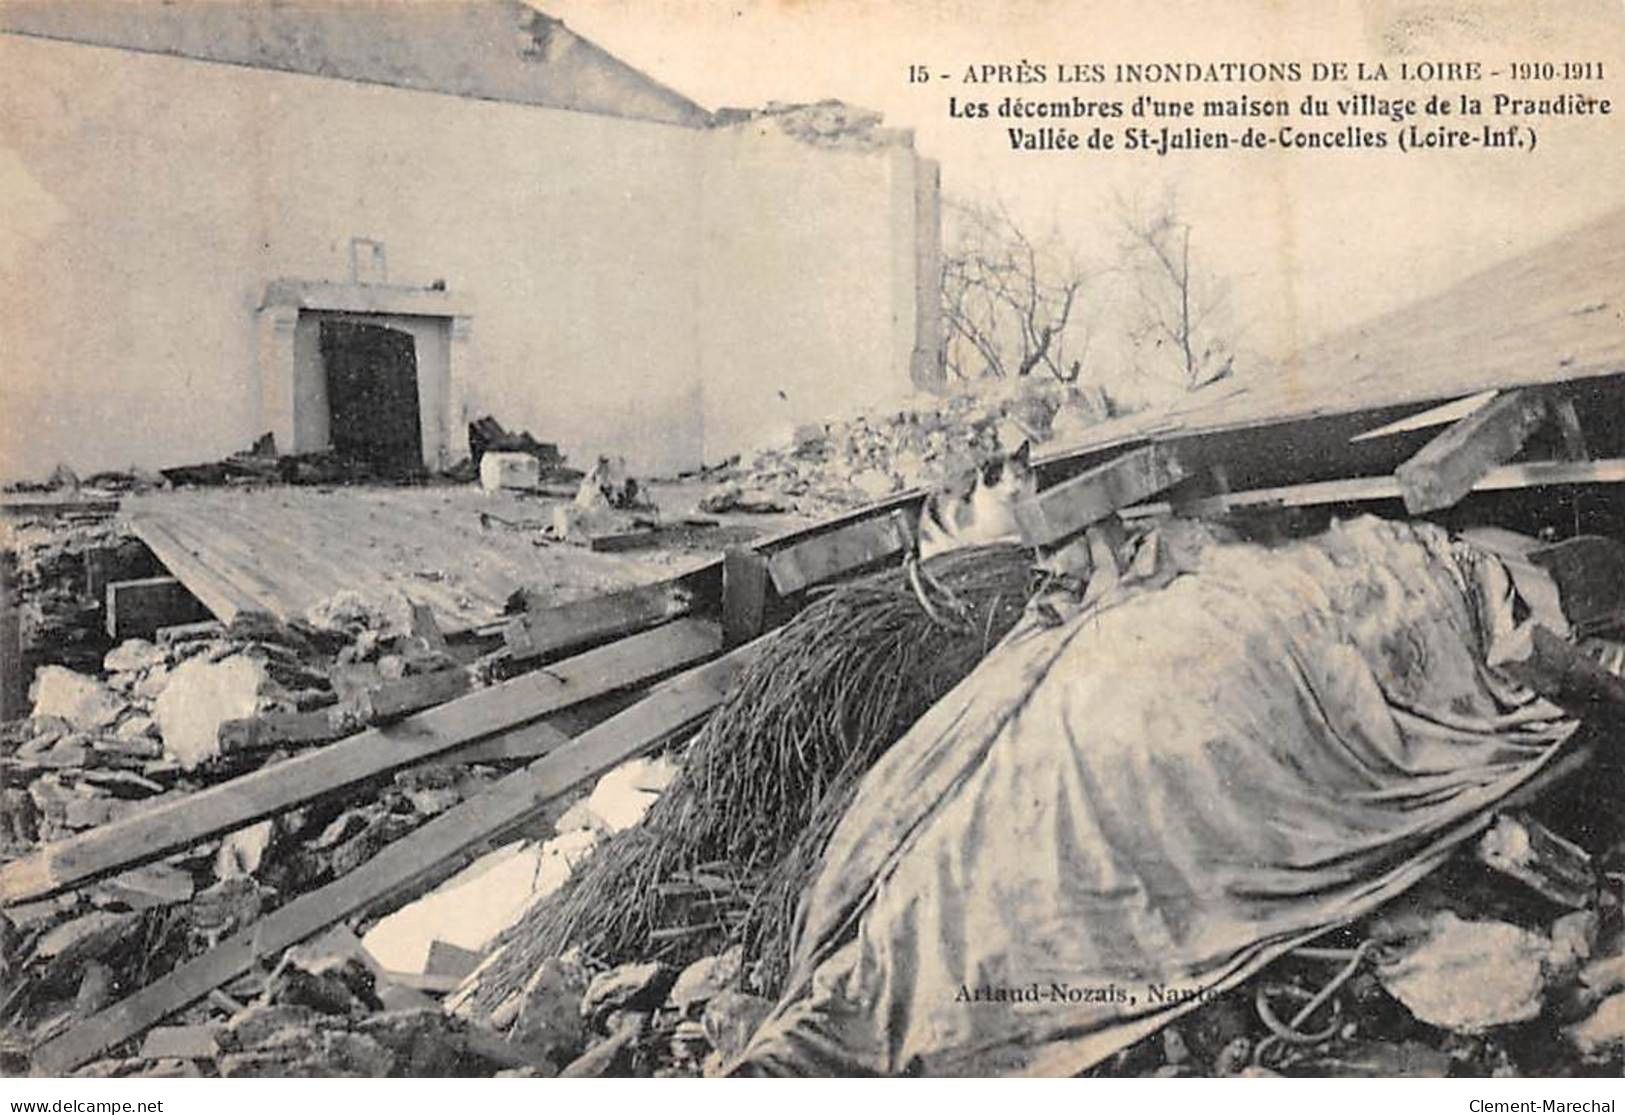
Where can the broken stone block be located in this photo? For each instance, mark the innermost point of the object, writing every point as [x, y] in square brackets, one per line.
[95, 989]
[550, 1010]
[92, 936]
[340, 985]
[1574, 938]
[706, 978]
[135, 727]
[730, 1018]
[225, 907]
[199, 696]
[241, 852]
[627, 987]
[82, 701]
[1470, 975]
[19, 819]
[317, 1052]
[1603, 1031]
[608, 1054]
[499, 470]
[132, 655]
[147, 887]
[256, 1023]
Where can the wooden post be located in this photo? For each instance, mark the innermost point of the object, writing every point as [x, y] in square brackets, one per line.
[744, 595]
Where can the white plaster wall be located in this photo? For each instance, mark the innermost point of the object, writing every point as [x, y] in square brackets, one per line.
[635, 287]
[808, 300]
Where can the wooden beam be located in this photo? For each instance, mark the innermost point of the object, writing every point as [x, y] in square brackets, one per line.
[614, 542]
[828, 556]
[667, 711]
[21, 506]
[1372, 489]
[550, 631]
[228, 805]
[744, 595]
[1066, 508]
[1446, 468]
[137, 609]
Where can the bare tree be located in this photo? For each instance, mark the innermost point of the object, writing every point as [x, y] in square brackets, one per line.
[1008, 299]
[1182, 305]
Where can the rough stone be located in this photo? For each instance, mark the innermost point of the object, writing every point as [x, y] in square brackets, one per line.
[198, 697]
[241, 852]
[627, 987]
[132, 655]
[707, 977]
[82, 701]
[1471, 975]
[550, 1010]
[730, 1018]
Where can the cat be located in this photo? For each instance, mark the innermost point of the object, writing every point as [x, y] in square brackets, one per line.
[978, 508]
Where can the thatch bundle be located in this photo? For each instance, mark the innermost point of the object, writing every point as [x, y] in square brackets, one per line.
[727, 850]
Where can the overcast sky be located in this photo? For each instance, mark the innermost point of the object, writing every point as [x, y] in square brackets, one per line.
[1312, 242]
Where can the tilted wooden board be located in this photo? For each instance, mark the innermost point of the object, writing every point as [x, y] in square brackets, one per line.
[1068, 507]
[1446, 468]
[667, 710]
[616, 614]
[172, 825]
[837, 552]
[1369, 489]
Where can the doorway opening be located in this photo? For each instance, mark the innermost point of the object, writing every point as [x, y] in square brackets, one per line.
[372, 394]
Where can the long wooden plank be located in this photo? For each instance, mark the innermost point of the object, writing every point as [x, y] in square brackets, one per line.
[1450, 412]
[1446, 468]
[20, 506]
[176, 824]
[667, 710]
[1374, 489]
[840, 551]
[553, 630]
[1072, 505]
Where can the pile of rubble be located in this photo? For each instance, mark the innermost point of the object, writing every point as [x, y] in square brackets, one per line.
[161, 719]
[843, 464]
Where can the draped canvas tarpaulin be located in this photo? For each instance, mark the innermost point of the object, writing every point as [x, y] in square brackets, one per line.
[1119, 816]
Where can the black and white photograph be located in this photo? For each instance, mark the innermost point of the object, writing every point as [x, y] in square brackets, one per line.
[651, 539]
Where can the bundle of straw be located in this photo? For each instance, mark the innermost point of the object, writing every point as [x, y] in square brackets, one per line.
[727, 850]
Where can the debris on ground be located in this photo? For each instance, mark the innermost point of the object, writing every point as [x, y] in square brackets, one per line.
[829, 467]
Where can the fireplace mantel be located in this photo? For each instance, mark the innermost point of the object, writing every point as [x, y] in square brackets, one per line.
[286, 400]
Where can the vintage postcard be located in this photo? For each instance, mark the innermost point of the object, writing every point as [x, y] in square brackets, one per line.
[592, 538]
